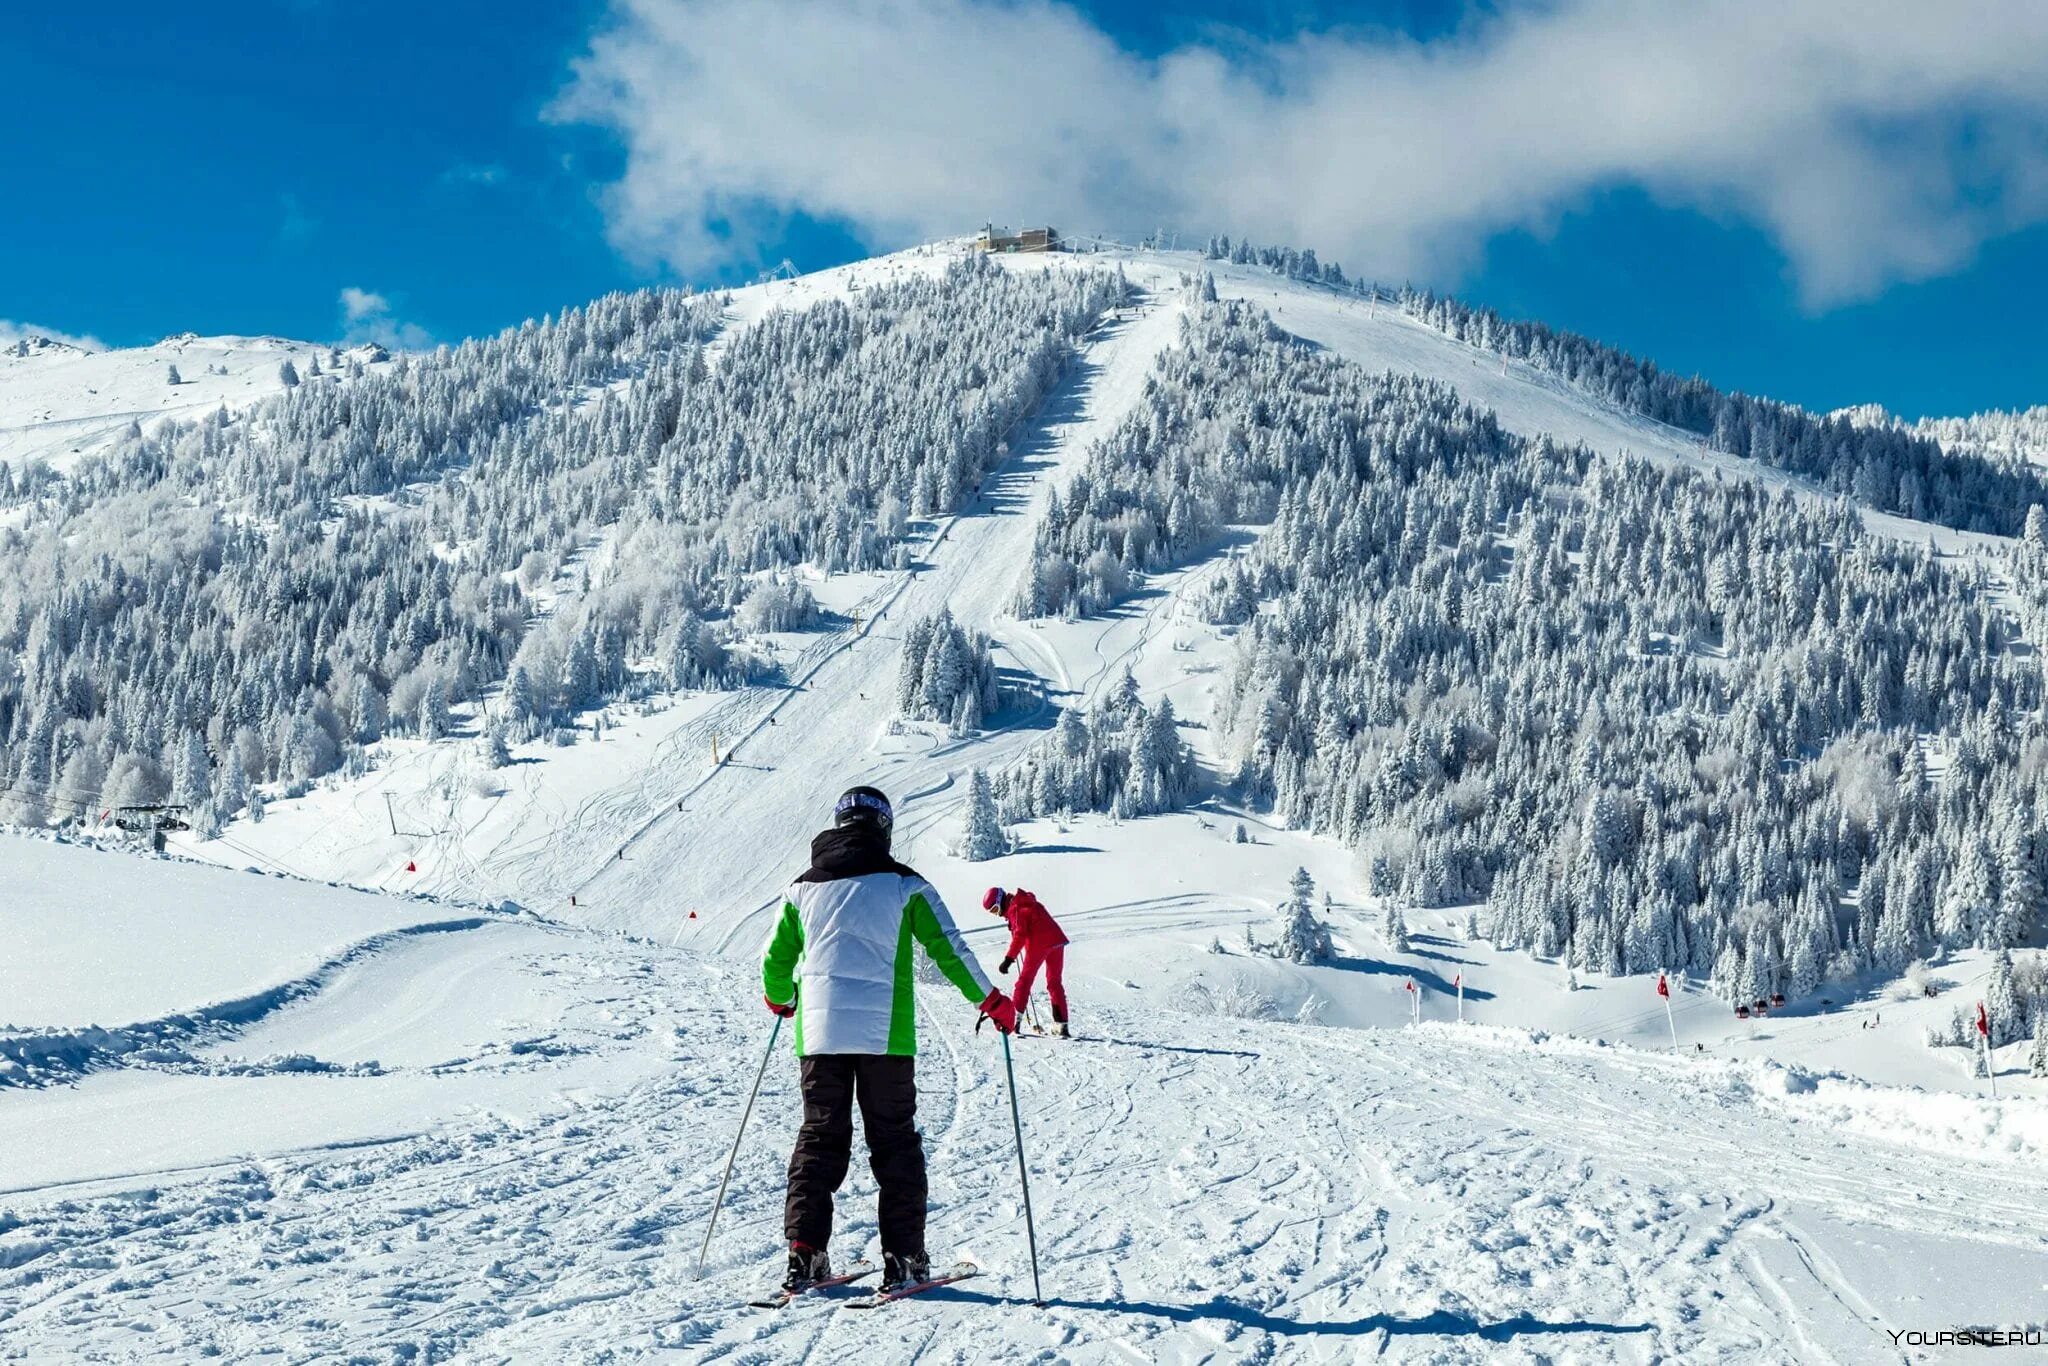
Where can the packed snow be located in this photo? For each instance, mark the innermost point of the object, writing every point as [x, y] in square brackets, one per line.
[503, 1142]
[164, 936]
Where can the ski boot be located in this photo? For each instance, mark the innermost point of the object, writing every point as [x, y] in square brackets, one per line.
[1059, 1024]
[806, 1265]
[901, 1269]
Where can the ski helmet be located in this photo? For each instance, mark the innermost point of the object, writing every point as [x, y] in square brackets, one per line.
[995, 901]
[863, 806]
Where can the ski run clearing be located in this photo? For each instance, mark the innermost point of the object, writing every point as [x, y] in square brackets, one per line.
[414, 1103]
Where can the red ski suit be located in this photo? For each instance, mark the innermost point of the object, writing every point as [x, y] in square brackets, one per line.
[1038, 938]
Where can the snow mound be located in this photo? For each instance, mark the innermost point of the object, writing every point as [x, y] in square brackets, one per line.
[45, 1057]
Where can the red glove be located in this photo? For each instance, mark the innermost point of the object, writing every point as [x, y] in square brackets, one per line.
[1001, 1010]
[784, 1011]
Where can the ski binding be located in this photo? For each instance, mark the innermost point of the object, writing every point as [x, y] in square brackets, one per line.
[777, 1299]
[959, 1271]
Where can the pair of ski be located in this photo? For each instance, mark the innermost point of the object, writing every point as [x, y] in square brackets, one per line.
[959, 1271]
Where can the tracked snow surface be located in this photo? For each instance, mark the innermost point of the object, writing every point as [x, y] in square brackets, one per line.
[244, 1117]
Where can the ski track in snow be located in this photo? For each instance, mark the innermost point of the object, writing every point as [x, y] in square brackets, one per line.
[827, 723]
[1206, 1191]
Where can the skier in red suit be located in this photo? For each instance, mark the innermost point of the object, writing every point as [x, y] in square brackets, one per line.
[1038, 939]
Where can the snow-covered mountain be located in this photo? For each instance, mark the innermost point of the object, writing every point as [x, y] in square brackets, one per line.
[1272, 607]
[59, 402]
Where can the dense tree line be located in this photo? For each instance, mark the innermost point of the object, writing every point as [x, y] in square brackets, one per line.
[1887, 467]
[947, 673]
[582, 508]
[1975, 473]
[1654, 719]
[2016, 434]
[1119, 756]
[1292, 262]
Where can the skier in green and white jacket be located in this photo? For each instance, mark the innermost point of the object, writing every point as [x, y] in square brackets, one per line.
[839, 962]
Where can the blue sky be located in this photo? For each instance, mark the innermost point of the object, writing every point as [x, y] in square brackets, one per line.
[234, 167]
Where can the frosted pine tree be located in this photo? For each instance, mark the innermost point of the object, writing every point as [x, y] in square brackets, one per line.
[2002, 1002]
[1303, 938]
[2019, 887]
[230, 790]
[2038, 1061]
[1394, 929]
[492, 750]
[192, 776]
[984, 838]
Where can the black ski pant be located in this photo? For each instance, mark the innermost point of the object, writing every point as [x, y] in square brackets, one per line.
[886, 1087]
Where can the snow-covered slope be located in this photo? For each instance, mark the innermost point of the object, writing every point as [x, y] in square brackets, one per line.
[504, 1140]
[58, 402]
[427, 1128]
[555, 828]
[683, 824]
[162, 937]
[1526, 400]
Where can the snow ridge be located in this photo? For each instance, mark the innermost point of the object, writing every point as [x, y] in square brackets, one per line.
[47, 1057]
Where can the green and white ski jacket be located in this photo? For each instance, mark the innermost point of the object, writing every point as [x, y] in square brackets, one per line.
[842, 950]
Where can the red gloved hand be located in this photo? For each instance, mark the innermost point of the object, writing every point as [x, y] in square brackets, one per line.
[1001, 1011]
[784, 1011]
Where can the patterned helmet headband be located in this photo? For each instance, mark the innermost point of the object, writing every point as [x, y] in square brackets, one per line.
[863, 801]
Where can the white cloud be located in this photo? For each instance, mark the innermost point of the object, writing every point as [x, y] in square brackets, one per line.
[12, 332]
[1873, 140]
[366, 317]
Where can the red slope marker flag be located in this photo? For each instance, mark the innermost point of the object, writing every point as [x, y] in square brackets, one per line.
[1664, 990]
[1459, 982]
[1984, 1034]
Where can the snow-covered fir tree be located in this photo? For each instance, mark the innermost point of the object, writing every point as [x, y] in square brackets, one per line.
[983, 838]
[1119, 756]
[1394, 929]
[1302, 938]
[946, 674]
[2002, 1002]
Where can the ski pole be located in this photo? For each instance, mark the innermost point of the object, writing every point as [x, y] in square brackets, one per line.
[1023, 1174]
[732, 1156]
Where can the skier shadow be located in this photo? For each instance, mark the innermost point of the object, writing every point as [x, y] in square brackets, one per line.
[1421, 976]
[1442, 1323]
